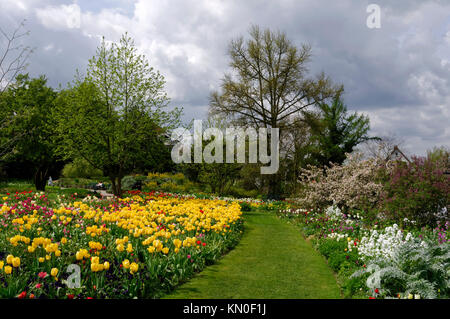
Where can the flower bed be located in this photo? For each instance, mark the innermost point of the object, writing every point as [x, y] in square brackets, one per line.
[379, 260]
[140, 246]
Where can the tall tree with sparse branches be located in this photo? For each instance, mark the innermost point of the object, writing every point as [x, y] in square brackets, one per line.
[13, 55]
[13, 61]
[269, 84]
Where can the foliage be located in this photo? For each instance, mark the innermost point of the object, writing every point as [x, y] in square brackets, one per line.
[245, 207]
[335, 133]
[114, 118]
[174, 183]
[415, 270]
[13, 62]
[81, 168]
[418, 191]
[34, 101]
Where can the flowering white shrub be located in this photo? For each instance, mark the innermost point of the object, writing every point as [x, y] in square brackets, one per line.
[354, 184]
[382, 243]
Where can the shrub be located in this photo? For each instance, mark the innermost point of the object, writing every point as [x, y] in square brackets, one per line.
[151, 185]
[336, 253]
[245, 207]
[82, 169]
[415, 269]
[238, 192]
[352, 185]
[171, 187]
[418, 191]
[128, 182]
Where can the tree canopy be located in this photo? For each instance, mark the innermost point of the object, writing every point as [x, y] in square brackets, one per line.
[335, 132]
[116, 115]
[29, 103]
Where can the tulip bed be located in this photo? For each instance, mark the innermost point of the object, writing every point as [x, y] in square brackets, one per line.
[140, 246]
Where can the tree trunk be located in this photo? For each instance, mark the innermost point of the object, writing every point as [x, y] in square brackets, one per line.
[40, 178]
[274, 189]
[116, 183]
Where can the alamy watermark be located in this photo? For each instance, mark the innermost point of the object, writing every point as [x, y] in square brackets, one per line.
[235, 139]
[374, 19]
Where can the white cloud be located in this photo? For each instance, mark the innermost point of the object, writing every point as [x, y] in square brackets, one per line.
[60, 17]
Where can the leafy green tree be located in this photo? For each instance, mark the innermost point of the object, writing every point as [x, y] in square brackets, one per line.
[335, 132]
[115, 115]
[34, 101]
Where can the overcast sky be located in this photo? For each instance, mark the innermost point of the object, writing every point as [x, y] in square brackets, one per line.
[398, 74]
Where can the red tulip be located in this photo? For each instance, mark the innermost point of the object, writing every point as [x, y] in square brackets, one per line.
[42, 274]
[22, 295]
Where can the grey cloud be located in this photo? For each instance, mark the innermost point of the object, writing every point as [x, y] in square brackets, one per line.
[394, 74]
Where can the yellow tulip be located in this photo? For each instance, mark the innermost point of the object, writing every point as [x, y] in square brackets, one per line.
[8, 270]
[16, 262]
[54, 272]
[129, 248]
[134, 267]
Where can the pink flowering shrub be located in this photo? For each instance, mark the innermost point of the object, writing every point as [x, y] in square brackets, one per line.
[417, 191]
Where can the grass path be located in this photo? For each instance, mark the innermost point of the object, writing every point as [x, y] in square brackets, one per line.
[272, 261]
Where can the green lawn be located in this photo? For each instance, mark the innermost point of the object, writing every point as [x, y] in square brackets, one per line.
[272, 261]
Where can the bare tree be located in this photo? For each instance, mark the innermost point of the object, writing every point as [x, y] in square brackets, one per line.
[381, 148]
[270, 84]
[13, 55]
[13, 61]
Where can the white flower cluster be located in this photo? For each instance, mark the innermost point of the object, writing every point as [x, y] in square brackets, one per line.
[382, 243]
[337, 236]
[90, 199]
[334, 213]
[293, 211]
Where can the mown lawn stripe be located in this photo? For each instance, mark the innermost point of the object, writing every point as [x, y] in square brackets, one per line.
[272, 261]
